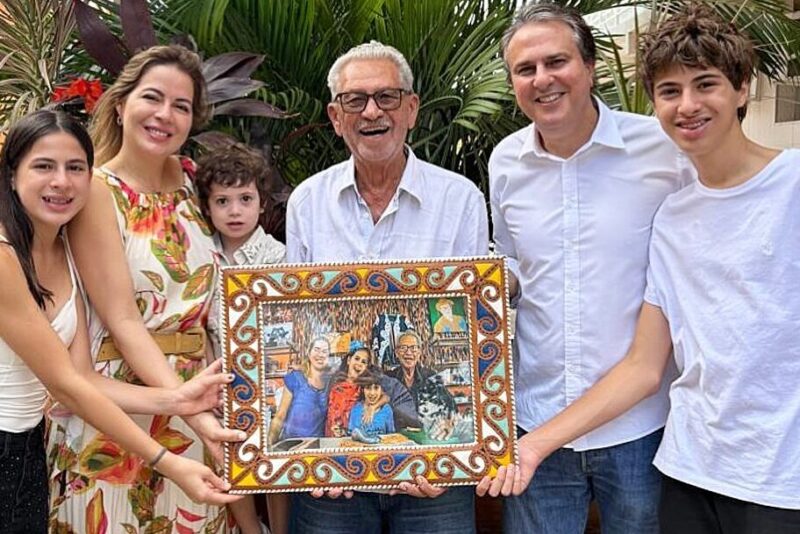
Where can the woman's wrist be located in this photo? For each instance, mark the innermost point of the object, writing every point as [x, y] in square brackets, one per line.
[158, 457]
[164, 462]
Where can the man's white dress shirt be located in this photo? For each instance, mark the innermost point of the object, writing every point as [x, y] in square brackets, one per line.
[434, 213]
[577, 231]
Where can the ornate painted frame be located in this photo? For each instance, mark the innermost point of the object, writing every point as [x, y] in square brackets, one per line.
[482, 282]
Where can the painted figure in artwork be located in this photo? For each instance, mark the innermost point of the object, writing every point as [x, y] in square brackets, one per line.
[448, 322]
[345, 389]
[371, 415]
[303, 405]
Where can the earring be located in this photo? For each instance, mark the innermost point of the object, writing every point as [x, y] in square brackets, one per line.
[119, 120]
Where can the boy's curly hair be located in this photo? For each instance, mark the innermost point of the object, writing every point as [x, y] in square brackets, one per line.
[697, 38]
[234, 165]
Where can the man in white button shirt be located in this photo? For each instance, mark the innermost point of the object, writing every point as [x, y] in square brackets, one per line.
[573, 197]
[382, 203]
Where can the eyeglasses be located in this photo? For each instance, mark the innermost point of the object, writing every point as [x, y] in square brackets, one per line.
[385, 99]
[400, 349]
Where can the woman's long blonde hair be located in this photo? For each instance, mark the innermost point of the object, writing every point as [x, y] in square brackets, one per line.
[106, 133]
[306, 364]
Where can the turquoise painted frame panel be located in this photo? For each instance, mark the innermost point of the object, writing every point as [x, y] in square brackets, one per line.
[273, 318]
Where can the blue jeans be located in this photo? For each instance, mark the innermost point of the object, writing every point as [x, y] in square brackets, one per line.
[621, 479]
[369, 513]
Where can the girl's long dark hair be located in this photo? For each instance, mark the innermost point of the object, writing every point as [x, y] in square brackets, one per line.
[341, 373]
[17, 226]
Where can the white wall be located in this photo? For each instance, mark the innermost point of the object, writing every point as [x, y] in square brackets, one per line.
[760, 123]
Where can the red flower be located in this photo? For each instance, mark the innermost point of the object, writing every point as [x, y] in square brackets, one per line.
[89, 90]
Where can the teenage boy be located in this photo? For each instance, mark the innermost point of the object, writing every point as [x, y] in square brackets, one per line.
[723, 293]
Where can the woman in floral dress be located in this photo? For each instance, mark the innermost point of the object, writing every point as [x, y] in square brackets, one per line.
[145, 255]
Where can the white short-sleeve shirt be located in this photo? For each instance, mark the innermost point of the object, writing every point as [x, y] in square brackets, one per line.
[725, 271]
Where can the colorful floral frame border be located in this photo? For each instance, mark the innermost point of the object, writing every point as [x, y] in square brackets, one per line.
[250, 468]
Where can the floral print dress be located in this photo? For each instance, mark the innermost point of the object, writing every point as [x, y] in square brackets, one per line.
[95, 486]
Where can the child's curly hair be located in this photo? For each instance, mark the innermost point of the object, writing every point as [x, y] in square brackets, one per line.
[234, 165]
[697, 38]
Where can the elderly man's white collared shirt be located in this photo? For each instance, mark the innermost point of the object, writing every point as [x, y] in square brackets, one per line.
[577, 232]
[434, 213]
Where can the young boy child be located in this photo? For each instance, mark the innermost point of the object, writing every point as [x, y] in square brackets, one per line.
[371, 415]
[723, 293]
[231, 186]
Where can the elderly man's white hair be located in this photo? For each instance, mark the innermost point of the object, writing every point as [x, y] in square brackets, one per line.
[371, 50]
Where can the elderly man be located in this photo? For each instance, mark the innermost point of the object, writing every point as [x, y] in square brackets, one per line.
[382, 203]
[573, 197]
[416, 378]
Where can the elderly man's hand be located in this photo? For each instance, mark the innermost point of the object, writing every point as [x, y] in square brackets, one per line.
[333, 493]
[422, 489]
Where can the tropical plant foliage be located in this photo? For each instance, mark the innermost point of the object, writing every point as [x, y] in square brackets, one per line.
[775, 35]
[227, 75]
[452, 46]
[34, 37]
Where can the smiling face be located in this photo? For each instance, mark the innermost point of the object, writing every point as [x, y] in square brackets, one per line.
[374, 136]
[408, 352]
[372, 394]
[318, 355]
[52, 180]
[234, 211]
[357, 364]
[697, 108]
[551, 81]
[157, 114]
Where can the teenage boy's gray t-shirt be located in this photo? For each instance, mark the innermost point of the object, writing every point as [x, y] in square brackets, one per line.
[725, 271]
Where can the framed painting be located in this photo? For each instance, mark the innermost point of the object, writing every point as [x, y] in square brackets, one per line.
[365, 375]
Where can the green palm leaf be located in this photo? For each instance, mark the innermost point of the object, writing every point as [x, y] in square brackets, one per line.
[453, 49]
[34, 37]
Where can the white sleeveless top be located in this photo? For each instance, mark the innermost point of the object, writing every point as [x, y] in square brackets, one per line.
[22, 395]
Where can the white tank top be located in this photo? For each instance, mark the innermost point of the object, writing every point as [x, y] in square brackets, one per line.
[22, 395]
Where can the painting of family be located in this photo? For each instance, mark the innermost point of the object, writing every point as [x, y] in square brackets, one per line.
[368, 372]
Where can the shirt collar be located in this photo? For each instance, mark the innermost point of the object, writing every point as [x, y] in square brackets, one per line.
[410, 182]
[606, 133]
[252, 250]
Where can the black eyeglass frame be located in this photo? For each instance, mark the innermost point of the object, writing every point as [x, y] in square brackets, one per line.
[401, 92]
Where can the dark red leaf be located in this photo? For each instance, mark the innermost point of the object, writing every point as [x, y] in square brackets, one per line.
[97, 39]
[137, 27]
[211, 140]
[250, 107]
[232, 65]
[230, 88]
